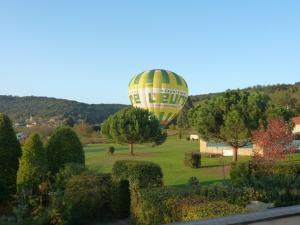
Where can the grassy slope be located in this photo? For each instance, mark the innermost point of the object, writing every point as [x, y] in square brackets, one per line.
[169, 156]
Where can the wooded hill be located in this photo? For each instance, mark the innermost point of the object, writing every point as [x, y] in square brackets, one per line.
[21, 108]
[282, 94]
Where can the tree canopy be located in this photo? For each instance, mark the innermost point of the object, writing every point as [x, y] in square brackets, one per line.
[133, 125]
[33, 165]
[64, 147]
[232, 116]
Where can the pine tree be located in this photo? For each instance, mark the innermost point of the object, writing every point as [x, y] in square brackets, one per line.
[10, 152]
[133, 125]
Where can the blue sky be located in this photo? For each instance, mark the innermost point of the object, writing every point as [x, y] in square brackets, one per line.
[88, 50]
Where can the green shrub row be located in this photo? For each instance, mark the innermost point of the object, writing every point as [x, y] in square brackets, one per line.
[275, 183]
[167, 205]
[129, 177]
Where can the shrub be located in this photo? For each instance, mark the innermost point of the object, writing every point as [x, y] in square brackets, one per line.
[168, 205]
[188, 138]
[88, 197]
[232, 194]
[33, 166]
[278, 183]
[111, 150]
[10, 152]
[63, 176]
[193, 181]
[64, 147]
[192, 159]
[240, 173]
[131, 177]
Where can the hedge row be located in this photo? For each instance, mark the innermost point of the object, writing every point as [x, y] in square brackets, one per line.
[277, 183]
[129, 177]
[168, 205]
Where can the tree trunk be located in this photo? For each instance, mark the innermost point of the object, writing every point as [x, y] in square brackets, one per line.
[131, 148]
[235, 154]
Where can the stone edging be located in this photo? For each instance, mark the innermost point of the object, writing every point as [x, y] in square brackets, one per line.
[248, 217]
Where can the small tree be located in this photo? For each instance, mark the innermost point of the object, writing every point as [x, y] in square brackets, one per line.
[232, 116]
[276, 140]
[64, 147]
[10, 152]
[133, 125]
[33, 166]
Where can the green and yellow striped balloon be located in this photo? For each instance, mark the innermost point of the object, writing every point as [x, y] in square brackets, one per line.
[160, 91]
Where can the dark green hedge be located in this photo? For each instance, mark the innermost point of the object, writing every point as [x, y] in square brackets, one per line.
[168, 205]
[131, 177]
[278, 183]
[88, 197]
[192, 159]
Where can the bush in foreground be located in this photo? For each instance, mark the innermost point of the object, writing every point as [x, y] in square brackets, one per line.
[168, 205]
[64, 147]
[88, 197]
[129, 177]
[10, 152]
[33, 166]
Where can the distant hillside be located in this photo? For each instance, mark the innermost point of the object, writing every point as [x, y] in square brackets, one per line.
[21, 108]
[282, 94]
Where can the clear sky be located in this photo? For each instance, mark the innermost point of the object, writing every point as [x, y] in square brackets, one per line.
[88, 50]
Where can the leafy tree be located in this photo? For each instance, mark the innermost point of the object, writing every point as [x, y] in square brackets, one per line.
[182, 118]
[133, 125]
[231, 117]
[64, 147]
[33, 165]
[10, 152]
[276, 140]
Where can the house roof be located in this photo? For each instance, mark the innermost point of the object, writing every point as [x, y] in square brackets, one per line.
[296, 120]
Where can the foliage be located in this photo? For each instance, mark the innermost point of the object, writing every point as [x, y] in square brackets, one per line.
[111, 150]
[33, 166]
[64, 147]
[193, 181]
[168, 205]
[133, 125]
[88, 197]
[64, 174]
[192, 159]
[231, 117]
[240, 173]
[20, 108]
[10, 152]
[182, 118]
[44, 131]
[83, 129]
[276, 140]
[133, 176]
[286, 95]
[277, 183]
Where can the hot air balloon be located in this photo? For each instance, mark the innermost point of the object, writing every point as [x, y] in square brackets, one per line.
[162, 92]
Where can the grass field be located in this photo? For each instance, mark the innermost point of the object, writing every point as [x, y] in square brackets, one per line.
[169, 156]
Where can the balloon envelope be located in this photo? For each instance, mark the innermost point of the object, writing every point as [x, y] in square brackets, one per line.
[162, 92]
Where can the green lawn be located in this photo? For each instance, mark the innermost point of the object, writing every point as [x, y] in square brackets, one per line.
[169, 156]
